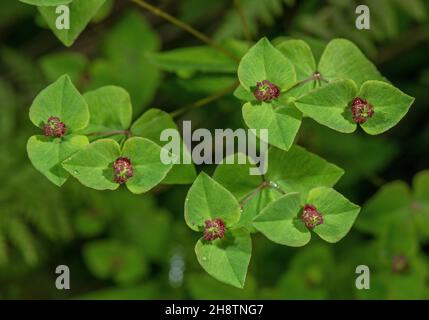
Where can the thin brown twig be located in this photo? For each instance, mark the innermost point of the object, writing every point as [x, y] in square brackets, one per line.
[202, 102]
[264, 184]
[246, 29]
[186, 27]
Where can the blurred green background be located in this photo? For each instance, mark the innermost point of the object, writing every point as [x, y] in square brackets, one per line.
[120, 245]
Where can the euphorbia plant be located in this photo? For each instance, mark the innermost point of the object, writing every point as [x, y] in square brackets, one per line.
[93, 138]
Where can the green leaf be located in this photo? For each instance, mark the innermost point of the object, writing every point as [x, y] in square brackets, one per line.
[279, 222]
[193, 59]
[420, 205]
[328, 105]
[113, 259]
[342, 59]
[150, 125]
[281, 121]
[60, 99]
[125, 62]
[338, 213]
[81, 13]
[244, 95]
[300, 171]
[299, 53]
[109, 108]
[264, 62]
[203, 286]
[145, 159]
[207, 200]
[93, 166]
[308, 274]
[46, 154]
[421, 186]
[390, 105]
[71, 63]
[236, 177]
[46, 2]
[390, 202]
[226, 259]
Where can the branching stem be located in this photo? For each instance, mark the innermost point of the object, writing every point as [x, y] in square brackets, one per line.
[186, 27]
[264, 184]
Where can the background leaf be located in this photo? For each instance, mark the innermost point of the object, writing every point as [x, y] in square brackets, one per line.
[71, 63]
[226, 259]
[193, 59]
[125, 61]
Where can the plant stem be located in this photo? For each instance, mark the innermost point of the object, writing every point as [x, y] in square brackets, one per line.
[206, 100]
[246, 29]
[186, 27]
[314, 77]
[264, 184]
[111, 133]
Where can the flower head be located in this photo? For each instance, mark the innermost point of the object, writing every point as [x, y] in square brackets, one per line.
[399, 264]
[311, 217]
[123, 170]
[214, 229]
[54, 127]
[266, 91]
[361, 110]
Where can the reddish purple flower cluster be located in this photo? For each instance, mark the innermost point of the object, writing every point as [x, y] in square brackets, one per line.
[266, 91]
[54, 127]
[214, 229]
[123, 170]
[311, 217]
[399, 264]
[361, 110]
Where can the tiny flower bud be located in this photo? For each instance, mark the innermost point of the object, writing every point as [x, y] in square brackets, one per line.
[399, 264]
[214, 229]
[311, 217]
[361, 110]
[54, 127]
[266, 91]
[123, 170]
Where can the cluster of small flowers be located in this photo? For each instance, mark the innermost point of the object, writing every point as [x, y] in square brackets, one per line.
[266, 91]
[361, 110]
[311, 217]
[54, 127]
[214, 229]
[123, 170]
